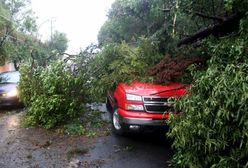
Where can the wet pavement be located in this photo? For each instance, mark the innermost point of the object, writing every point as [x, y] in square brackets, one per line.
[150, 150]
[38, 148]
[136, 151]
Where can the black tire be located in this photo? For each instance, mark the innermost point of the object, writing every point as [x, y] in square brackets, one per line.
[117, 127]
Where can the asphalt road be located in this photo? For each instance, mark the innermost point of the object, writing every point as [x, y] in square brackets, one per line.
[133, 151]
[39, 148]
[140, 151]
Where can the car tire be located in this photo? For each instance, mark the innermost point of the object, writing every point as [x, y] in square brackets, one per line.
[117, 127]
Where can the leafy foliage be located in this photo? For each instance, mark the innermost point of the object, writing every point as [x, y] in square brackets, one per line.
[120, 63]
[170, 68]
[53, 95]
[19, 41]
[212, 131]
[58, 42]
[128, 20]
[74, 129]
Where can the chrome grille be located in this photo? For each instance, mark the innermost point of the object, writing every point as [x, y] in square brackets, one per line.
[156, 104]
[155, 99]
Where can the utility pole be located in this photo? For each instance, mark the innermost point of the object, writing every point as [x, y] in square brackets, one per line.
[51, 21]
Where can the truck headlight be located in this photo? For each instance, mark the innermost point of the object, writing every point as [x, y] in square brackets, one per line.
[12, 93]
[133, 97]
[135, 107]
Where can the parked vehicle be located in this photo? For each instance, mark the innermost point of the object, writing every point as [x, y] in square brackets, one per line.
[140, 105]
[8, 88]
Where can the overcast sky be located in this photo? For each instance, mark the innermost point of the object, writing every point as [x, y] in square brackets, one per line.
[79, 19]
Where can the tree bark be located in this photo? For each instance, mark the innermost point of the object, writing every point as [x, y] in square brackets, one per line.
[228, 25]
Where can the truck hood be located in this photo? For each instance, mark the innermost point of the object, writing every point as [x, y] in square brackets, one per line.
[146, 89]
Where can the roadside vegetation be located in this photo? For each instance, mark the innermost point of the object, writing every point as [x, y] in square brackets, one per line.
[52, 86]
[203, 43]
[212, 131]
[53, 94]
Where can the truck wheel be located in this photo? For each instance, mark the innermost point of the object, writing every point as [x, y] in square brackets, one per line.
[118, 128]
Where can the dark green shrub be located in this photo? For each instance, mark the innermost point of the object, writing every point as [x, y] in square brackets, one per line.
[213, 130]
[52, 95]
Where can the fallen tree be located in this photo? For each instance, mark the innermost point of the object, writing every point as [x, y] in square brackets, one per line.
[226, 25]
[171, 67]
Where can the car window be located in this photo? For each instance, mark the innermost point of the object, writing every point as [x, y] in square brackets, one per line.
[9, 77]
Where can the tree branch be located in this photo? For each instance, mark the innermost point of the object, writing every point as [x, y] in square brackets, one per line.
[209, 17]
[5, 36]
[164, 10]
[170, 68]
[228, 25]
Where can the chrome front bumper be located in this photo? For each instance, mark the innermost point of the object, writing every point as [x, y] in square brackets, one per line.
[143, 121]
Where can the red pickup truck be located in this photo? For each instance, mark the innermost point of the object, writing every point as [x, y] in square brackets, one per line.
[138, 105]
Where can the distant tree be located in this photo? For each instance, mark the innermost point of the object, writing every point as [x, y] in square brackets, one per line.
[129, 20]
[18, 42]
[21, 15]
[58, 42]
[17, 27]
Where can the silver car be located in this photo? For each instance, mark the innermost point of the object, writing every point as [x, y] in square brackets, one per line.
[8, 88]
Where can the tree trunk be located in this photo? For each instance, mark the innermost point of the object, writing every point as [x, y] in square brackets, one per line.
[228, 25]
